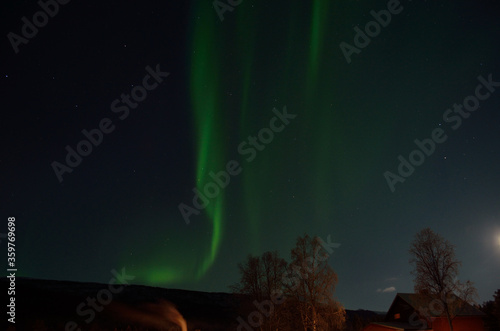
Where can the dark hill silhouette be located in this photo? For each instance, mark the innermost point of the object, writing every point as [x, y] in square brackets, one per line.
[51, 304]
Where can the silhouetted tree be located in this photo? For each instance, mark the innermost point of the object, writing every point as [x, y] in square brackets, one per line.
[492, 310]
[251, 278]
[261, 279]
[436, 273]
[311, 283]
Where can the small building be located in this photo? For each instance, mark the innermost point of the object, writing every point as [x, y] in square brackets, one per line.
[411, 311]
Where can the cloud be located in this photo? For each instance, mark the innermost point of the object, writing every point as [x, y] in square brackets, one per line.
[387, 290]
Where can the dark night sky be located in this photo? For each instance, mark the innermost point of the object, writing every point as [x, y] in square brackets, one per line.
[323, 174]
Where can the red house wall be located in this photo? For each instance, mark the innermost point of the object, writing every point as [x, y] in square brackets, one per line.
[460, 323]
[372, 327]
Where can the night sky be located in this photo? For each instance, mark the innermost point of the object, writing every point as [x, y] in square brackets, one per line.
[213, 85]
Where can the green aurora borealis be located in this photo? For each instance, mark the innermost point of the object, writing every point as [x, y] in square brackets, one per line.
[302, 56]
[321, 175]
[243, 67]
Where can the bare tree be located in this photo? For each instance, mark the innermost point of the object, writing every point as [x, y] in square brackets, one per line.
[274, 268]
[436, 273]
[261, 279]
[311, 283]
[251, 278]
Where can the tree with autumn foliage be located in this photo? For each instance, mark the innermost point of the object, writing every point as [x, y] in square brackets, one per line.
[310, 284]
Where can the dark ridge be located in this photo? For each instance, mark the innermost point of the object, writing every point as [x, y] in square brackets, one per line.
[50, 304]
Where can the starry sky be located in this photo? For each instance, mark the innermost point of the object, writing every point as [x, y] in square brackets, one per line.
[174, 92]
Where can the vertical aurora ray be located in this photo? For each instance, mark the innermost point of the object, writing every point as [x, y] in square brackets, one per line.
[340, 169]
[204, 94]
[246, 52]
[263, 179]
[328, 134]
[180, 261]
[239, 71]
[319, 23]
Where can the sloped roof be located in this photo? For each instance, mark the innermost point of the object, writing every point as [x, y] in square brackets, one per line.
[416, 301]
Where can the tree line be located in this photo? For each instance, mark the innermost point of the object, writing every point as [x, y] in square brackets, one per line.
[300, 294]
[294, 295]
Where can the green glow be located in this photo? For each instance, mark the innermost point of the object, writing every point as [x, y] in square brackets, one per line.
[237, 73]
[246, 46]
[163, 275]
[185, 263]
[320, 15]
[216, 239]
[325, 138]
[204, 87]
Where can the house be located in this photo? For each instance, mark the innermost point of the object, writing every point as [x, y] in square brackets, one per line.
[410, 311]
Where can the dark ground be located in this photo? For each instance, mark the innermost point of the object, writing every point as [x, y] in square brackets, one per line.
[50, 305]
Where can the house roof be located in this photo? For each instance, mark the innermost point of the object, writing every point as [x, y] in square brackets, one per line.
[407, 308]
[417, 301]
